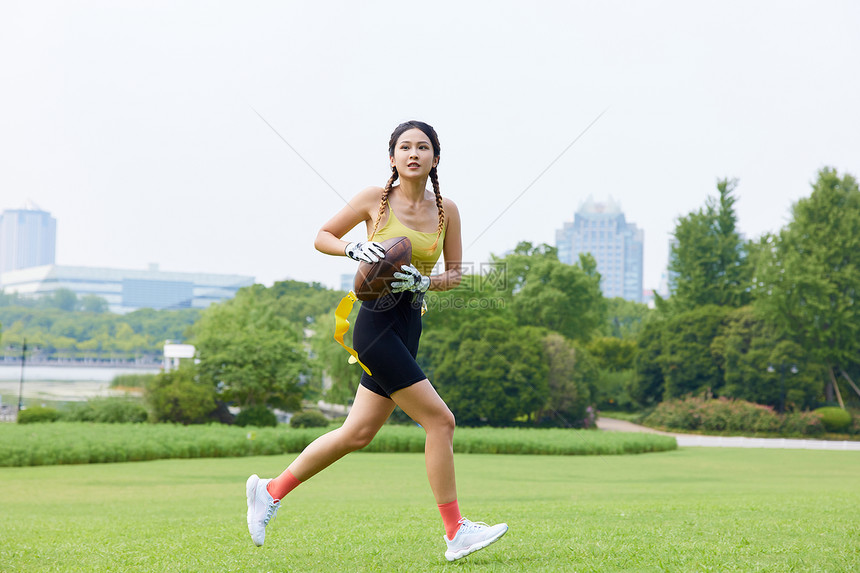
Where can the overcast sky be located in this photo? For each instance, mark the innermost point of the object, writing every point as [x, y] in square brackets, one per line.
[136, 123]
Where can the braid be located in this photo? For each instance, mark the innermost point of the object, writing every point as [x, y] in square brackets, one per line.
[434, 178]
[384, 198]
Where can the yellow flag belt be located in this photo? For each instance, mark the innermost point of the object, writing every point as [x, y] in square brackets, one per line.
[341, 326]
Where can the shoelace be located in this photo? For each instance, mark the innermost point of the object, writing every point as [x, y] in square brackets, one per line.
[271, 510]
[471, 526]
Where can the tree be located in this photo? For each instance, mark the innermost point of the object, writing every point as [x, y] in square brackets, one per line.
[548, 293]
[808, 276]
[613, 354]
[513, 268]
[686, 361]
[649, 383]
[568, 395]
[12, 299]
[330, 361]
[709, 259]
[180, 396]
[625, 318]
[92, 303]
[763, 367]
[301, 302]
[79, 333]
[477, 295]
[493, 372]
[613, 384]
[250, 352]
[64, 299]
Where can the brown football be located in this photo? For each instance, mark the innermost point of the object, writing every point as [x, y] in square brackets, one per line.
[372, 280]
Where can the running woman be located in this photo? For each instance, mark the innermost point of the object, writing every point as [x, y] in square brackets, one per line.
[386, 337]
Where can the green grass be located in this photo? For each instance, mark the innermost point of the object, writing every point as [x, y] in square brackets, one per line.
[635, 417]
[84, 442]
[693, 509]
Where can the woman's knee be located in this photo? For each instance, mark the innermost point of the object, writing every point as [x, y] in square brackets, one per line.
[358, 438]
[443, 422]
[450, 420]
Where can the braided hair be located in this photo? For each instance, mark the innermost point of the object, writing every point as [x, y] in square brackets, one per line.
[434, 177]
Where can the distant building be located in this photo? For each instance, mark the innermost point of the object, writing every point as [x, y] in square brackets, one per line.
[173, 353]
[616, 245]
[28, 238]
[126, 289]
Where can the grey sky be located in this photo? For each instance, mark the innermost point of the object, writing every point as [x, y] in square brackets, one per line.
[133, 123]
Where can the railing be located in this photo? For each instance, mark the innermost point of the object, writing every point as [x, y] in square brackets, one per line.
[144, 362]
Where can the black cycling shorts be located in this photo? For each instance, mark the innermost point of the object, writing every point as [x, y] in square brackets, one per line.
[386, 337]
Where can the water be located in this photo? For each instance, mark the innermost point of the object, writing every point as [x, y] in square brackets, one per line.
[60, 383]
[67, 373]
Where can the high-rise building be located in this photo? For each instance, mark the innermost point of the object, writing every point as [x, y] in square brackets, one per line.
[616, 245]
[28, 238]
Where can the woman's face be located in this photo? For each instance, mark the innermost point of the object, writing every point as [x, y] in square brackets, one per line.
[413, 154]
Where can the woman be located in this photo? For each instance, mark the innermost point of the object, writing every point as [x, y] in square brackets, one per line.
[386, 336]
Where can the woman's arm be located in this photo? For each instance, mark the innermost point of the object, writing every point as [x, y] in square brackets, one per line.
[452, 251]
[358, 210]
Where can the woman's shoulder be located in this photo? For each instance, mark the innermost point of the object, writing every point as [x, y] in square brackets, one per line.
[373, 193]
[367, 199]
[450, 207]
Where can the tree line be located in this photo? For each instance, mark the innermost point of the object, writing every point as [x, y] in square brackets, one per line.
[530, 340]
[771, 320]
[78, 333]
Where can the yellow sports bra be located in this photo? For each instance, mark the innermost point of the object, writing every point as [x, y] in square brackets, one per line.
[423, 258]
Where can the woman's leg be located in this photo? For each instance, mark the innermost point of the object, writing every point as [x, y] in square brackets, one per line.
[423, 404]
[368, 413]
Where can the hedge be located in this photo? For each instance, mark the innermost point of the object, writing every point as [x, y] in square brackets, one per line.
[81, 442]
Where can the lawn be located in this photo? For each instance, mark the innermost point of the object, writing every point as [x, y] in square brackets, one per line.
[693, 509]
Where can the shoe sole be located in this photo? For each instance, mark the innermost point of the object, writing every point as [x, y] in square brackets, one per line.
[472, 548]
[251, 494]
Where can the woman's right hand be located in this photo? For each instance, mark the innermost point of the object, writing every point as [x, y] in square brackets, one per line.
[369, 252]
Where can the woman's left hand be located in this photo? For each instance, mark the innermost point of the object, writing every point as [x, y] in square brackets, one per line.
[410, 279]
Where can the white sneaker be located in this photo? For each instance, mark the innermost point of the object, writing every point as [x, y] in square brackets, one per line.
[472, 536]
[262, 508]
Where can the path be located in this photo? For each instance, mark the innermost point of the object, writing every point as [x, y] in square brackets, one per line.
[695, 440]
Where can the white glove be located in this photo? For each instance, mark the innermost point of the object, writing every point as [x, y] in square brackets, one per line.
[369, 252]
[410, 279]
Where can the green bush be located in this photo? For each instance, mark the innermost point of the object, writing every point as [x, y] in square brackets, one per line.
[310, 419]
[108, 410]
[179, 396]
[834, 419]
[724, 415]
[38, 414]
[259, 416]
[805, 423]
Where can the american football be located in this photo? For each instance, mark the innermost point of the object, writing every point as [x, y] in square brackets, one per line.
[372, 280]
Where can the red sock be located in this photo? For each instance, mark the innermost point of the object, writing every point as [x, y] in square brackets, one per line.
[279, 487]
[450, 517]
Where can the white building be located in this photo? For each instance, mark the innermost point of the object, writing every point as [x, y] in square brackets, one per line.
[600, 228]
[126, 290]
[28, 238]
